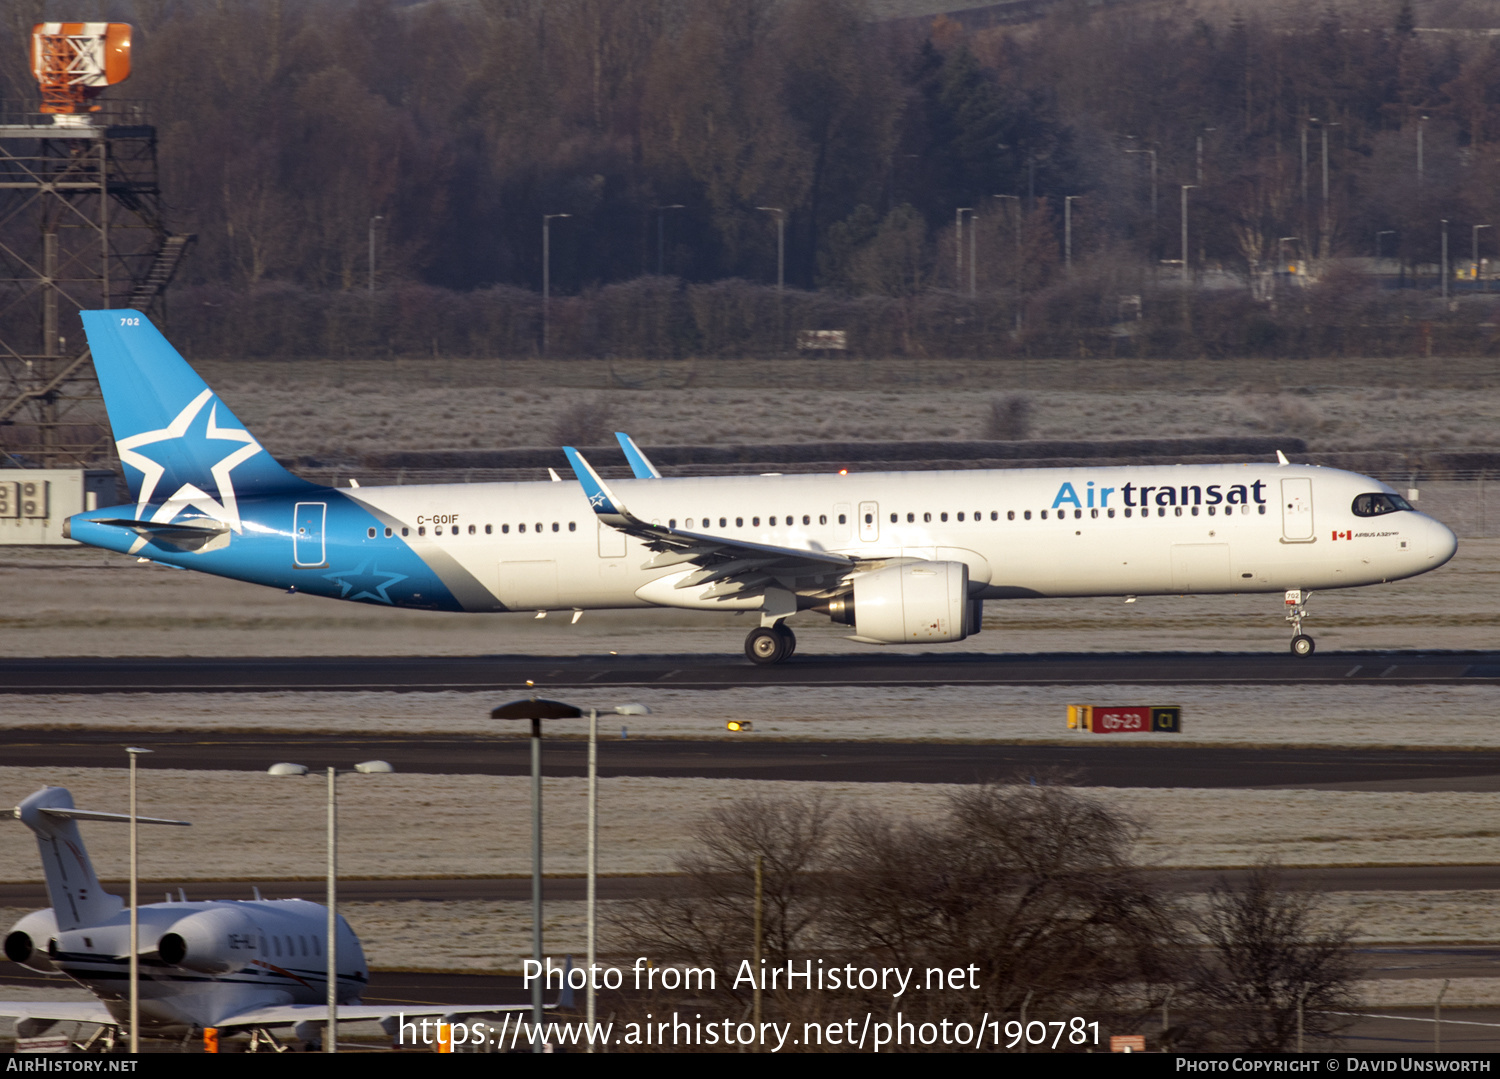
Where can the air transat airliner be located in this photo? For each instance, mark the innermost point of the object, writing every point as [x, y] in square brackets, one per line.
[899, 557]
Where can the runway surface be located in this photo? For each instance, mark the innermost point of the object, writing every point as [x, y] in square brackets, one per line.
[719, 671]
[1100, 764]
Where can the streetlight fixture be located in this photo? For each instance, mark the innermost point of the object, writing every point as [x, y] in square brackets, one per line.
[1444, 267]
[1185, 189]
[547, 278]
[780, 243]
[331, 951]
[373, 221]
[135, 929]
[537, 709]
[1068, 230]
[660, 213]
[958, 249]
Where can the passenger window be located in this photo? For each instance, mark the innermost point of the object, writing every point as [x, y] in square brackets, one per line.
[1010, 515]
[1161, 511]
[806, 519]
[1044, 515]
[572, 526]
[1210, 511]
[894, 517]
[926, 518]
[842, 520]
[406, 531]
[822, 518]
[739, 522]
[489, 530]
[471, 530]
[910, 517]
[387, 533]
[422, 530]
[505, 530]
[1027, 515]
[1093, 513]
[1112, 512]
[370, 532]
[1127, 512]
[555, 527]
[723, 522]
[1195, 511]
[1177, 511]
[755, 522]
[521, 527]
[773, 522]
[943, 517]
[1263, 510]
[539, 526]
[671, 523]
[1077, 515]
[869, 518]
[960, 516]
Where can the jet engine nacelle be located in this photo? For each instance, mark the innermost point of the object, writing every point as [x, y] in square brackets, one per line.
[212, 941]
[915, 602]
[26, 943]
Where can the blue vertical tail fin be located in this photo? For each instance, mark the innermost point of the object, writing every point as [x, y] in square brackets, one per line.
[180, 445]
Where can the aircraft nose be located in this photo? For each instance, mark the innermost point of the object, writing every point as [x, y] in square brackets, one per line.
[1442, 544]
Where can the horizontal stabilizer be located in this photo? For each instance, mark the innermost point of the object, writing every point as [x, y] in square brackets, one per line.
[185, 535]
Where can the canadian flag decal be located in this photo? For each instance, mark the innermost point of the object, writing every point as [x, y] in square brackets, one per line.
[1343, 535]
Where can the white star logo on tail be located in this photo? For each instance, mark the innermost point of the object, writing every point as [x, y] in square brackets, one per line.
[225, 508]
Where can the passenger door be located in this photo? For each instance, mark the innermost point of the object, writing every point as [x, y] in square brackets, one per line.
[1296, 511]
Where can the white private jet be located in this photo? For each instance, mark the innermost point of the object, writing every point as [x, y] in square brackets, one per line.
[900, 557]
[230, 965]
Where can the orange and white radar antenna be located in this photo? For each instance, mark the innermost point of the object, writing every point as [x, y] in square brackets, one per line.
[74, 62]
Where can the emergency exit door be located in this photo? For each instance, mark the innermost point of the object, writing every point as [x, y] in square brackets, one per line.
[307, 533]
[1296, 511]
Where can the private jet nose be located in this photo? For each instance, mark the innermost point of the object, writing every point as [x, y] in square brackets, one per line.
[214, 941]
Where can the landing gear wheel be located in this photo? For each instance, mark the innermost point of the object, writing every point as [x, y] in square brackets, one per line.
[788, 637]
[1302, 645]
[765, 645]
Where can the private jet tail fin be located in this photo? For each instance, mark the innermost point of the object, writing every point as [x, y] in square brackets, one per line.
[176, 439]
[640, 465]
[75, 893]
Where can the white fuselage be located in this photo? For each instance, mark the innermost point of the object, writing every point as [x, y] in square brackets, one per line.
[1044, 532]
[237, 956]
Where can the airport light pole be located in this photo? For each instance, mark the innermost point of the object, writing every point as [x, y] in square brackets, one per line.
[1068, 230]
[1153, 183]
[1185, 189]
[660, 235]
[1444, 268]
[135, 928]
[537, 709]
[1475, 252]
[373, 221]
[331, 950]
[958, 249]
[547, 278]
[780, 244]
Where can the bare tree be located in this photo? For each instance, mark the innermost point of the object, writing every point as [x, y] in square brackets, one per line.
[1270, 951]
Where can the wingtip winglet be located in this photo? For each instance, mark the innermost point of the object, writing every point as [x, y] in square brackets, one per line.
[601, 498]
[640, 465]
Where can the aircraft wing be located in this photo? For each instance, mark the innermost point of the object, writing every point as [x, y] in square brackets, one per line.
[59, 1011]
[726, 566]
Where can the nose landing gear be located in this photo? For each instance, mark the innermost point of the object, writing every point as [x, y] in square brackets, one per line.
[765, 645]
[1296, 610]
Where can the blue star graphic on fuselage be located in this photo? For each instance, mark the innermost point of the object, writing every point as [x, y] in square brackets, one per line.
[358, 584]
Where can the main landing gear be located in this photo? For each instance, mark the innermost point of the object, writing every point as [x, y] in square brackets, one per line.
[765, 645]
[1296, 610]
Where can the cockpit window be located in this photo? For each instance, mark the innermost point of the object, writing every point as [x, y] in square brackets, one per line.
[1374, 505]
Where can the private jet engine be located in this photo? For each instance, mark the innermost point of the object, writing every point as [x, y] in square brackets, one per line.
[214, 941]
[27, 941]
[915, 602]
